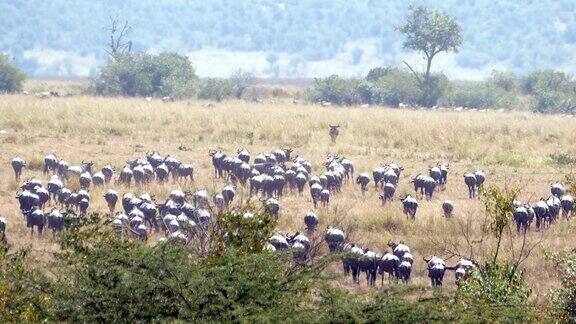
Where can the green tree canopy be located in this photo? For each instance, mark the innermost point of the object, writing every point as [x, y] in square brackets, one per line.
[431, 32]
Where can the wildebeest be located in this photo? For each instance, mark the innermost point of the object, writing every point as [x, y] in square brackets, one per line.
[567, 202]
[111, 198]
[27, 201]
[334, 238]
[184, 171]
[541, 212]
[55, 221]
[311, 221]
[363, 179]
[35, 218]
[522, 217]
[463, 268]
[444, 175]
[315, 191]
[471, 182]
[369, 262]
[352, 260]
[272, 206]
[388, 264]
[50, 163]
[429, 185]
[17, 164]
[436, 269]
[447, 208]
[480, 178]
[410, 206]
[334, 132]
[557, 189]
[388, 193]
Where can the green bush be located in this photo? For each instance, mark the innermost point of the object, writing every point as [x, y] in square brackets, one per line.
[141, 74]
[336, 90]
[390, 87]
[478, 95]
[563, 299]
[11, 78]
[216, 89]
[433, 90]
[554, 92]
[506, 81]
[497, 284]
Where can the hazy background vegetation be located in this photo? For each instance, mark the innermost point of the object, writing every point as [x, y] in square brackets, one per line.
[286, 38]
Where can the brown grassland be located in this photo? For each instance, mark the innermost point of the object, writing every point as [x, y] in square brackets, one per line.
[513, 149]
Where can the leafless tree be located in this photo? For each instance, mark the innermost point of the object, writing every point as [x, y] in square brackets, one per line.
[118, 33]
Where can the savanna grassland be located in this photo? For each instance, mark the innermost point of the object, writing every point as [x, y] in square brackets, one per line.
[514, 149]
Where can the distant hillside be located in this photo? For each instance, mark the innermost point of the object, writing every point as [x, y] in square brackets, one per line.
[285, 38]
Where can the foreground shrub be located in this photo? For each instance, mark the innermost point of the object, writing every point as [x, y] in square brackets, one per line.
[101, 277]
[563, 299]
[141, 74]
[11, 78]
[497, 284]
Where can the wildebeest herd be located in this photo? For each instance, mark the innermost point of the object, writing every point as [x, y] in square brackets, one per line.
[185, 215]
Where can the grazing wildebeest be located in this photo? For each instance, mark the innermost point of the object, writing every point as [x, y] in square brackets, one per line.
[363, 179]
[447, 208]
[311, 221]
[480, 178]
[334, 132]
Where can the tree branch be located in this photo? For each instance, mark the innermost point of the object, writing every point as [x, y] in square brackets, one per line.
[418, 78]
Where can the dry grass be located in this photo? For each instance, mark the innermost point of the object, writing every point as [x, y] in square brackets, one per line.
[513, 149]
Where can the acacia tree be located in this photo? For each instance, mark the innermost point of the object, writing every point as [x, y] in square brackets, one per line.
[430, 32]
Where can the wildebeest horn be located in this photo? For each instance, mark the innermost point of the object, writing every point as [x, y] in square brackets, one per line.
[424, 258]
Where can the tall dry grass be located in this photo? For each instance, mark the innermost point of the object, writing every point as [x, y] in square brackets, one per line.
[513, 149]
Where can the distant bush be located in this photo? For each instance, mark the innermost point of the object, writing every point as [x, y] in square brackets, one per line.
[553, 91]
[336, 90]
[506, 81]
[389, 87]
[478, 95]
[433, 90]
[11, 78]
[216, 89]
[141, 74]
